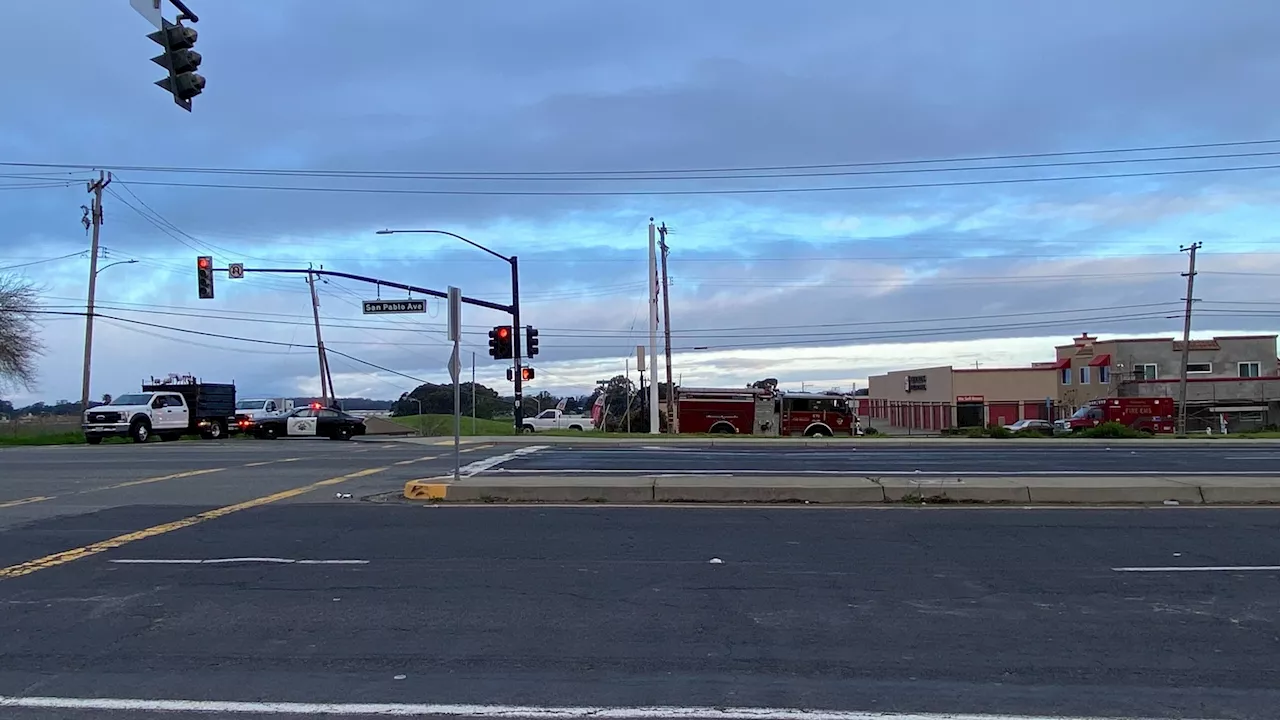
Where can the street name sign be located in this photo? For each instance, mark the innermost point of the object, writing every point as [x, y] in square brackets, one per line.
[392, 307]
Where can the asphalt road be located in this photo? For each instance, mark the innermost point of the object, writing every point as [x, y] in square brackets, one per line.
[45, 482]
[896, 609]
[1007, 459]
[950, 610]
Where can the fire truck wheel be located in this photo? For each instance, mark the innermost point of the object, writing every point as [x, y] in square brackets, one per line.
[818, 432]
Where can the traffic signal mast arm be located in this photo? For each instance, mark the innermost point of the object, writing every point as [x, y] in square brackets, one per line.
[384, 283]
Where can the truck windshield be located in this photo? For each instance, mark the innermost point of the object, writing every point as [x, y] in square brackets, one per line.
[135, 399]
[1081, 413]
[250, 404]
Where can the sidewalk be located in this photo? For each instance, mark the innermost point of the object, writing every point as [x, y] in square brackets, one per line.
[1099, 490]
[600, 440]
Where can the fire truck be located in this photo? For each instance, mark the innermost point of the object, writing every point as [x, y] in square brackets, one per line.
[763, 411]
[1155, 415]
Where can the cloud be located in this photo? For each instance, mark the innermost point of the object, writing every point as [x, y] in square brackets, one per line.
[815, 285]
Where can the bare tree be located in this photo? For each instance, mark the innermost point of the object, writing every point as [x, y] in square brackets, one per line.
[19, 345]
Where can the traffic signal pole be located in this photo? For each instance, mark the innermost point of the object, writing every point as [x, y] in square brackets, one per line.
[516, 331]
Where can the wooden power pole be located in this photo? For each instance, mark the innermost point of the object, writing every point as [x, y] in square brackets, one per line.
[666, 330]
[325, 388]
[92, 219]
[1190, 275]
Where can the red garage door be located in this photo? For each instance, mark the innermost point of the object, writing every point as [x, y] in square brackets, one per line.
[1003, 413]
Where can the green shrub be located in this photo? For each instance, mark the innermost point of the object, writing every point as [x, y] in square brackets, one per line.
[1032, 433]
[1112, 430]
[997, 431]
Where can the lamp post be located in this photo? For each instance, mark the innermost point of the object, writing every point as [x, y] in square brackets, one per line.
[88, 330]
[516, 328]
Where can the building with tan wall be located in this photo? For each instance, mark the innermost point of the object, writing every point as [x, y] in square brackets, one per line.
[941, 397]
[1243, 367]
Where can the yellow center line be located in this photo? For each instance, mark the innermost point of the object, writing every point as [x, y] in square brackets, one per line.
[67, 556]
[418, 460]
[25, 501]
[148, 481]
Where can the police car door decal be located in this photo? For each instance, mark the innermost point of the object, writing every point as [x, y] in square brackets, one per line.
[302, 426]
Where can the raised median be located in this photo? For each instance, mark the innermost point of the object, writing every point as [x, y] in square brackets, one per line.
[1009, 490]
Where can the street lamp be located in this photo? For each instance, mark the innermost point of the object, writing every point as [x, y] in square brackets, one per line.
[516, 328]
[118, 262]
[88, 332]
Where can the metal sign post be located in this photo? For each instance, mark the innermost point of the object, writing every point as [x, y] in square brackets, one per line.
[455, 372]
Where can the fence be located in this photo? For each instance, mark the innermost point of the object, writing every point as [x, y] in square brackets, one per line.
[38, 425]
[931, 417]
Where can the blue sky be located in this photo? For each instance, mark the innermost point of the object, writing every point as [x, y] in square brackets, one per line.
[793, 280]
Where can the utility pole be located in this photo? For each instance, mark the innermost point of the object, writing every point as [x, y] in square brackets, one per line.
[324, 369]
[1190, 275]
[654, 425]
[473, 392]
[666, 329]
[92, 219]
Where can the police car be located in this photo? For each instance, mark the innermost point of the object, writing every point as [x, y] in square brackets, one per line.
[311, 421]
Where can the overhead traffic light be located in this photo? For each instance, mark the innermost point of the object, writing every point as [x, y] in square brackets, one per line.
[530, 340]
[183, 82]
[204, 276]
[500, 343]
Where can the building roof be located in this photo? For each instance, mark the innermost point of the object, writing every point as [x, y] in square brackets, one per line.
[1212, 344]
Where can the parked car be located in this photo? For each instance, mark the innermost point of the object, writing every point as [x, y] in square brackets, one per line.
[1043, 426]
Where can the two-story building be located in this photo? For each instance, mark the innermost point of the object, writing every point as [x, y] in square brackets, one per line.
[1237, 375]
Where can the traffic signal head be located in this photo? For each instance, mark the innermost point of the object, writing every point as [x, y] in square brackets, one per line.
[531, 341]
[183, 82]
[500, 347]
[204, 276]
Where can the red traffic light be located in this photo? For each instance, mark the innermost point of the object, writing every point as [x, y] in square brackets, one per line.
[503, 332]
[203, 262]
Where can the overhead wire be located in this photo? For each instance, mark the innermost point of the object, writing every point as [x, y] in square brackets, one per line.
[755, 168]
[700, 192]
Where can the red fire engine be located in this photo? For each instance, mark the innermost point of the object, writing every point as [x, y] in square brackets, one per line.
[1154, 415]
[760, 411]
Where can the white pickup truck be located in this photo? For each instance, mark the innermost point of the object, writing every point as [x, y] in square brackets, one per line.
[251, 411]
[556, 420]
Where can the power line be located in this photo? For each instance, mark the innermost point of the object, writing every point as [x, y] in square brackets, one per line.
[78, 253]
[719, 191]
[756, 168]
[607, 177]
[222, 336]
[810, 329]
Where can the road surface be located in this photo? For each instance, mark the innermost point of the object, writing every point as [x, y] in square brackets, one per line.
[254, 583]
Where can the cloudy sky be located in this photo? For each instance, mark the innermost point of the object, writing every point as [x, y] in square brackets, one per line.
[851, 186]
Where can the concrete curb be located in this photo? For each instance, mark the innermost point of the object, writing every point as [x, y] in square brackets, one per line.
[1117, 490]
[540, 439]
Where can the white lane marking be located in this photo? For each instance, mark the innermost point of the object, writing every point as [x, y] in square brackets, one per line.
[863, 472]
[1206, 568]
[220, 561]
[494, 711]
[480, 466]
